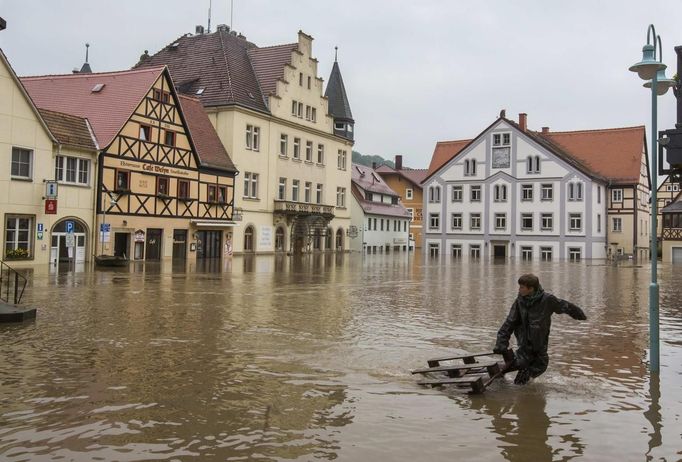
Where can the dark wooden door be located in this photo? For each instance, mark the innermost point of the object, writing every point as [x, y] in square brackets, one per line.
[208, 244]
[153, 249]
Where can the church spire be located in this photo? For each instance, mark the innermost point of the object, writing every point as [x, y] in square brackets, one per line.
[85, 69]
[339, 107]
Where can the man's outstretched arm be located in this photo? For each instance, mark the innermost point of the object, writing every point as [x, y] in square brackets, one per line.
[566, 307]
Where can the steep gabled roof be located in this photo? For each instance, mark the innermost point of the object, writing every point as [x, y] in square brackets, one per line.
[368, 180]
[70, 130]
[339, 107]
[614, 153]
[207, 144]
[268, 64]
[444, 151]
[675, 205]
[107, 110]
[214, 67]
[413, 175]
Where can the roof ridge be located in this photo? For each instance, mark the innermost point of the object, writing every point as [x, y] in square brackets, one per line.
[227, 67]
[40, 109]
[272, 46]
[453, 141]
[570, 132]
[90, 74]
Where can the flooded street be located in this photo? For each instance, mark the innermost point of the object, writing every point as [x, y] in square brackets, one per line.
[276, 358]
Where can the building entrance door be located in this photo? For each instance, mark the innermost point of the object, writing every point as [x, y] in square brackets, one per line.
[122, 244]
[59, 252]
[208, 244]
[499, 251]
[153, 249]
[179, 244]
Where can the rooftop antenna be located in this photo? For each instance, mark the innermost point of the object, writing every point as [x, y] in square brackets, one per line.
[336, 53]
[231, 11]
[209, 16]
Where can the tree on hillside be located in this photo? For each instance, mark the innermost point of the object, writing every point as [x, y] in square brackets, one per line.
[367, 160]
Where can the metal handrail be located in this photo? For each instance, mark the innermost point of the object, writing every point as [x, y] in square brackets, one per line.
[6, 280]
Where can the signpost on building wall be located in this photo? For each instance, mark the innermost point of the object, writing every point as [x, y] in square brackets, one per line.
[51, 189]
[50, 206]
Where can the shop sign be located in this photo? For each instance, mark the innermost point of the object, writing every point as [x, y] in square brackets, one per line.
[50, 206]
[139, 236]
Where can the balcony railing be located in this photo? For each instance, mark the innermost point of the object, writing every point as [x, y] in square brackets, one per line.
[12, 284]
[302, 208]
[672, 234]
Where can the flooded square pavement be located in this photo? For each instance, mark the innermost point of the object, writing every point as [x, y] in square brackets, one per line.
[282, 358]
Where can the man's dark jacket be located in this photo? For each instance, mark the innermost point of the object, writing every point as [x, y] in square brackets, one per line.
[530, 319]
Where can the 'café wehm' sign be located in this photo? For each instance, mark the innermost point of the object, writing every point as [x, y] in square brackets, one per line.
[153, 168]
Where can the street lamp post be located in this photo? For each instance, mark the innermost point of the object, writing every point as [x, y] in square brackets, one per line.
[652, 68]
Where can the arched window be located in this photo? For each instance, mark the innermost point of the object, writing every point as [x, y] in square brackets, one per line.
[279, 239]
[249, 235]
[537, 164]
[529, 164]
[339, 239]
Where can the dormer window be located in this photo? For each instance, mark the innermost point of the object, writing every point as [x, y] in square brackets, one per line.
[339, 126]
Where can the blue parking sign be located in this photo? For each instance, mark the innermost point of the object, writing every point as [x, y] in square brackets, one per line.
[69, 227]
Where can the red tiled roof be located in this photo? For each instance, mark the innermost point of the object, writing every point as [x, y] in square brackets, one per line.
[268, 64]
[207, 144]
[614, 153]
[376, 208]
[106, 110]
[444, 151]
[69, 130]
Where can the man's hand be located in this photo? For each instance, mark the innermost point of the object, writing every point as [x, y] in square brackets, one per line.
[578, 314]
[499, 349]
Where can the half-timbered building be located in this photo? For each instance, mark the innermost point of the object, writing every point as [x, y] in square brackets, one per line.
[290, 138]
[671, 235]
[165, 184]
[666, 194]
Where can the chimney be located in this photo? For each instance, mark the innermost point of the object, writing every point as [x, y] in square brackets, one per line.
[545, 130]
[241, 36]
[398, 162]
[223, 28]
[374, 165]
[199, 30]
[523, 121]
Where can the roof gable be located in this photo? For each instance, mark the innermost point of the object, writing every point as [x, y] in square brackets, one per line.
[369, 180]
[107, 110]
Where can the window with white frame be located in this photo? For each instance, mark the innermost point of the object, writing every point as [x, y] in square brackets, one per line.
[320, 153]
[500, 193]
[599, 223]
[475, 192]
[18, 236]
[410, 212]
[526, 192]
[408, 194]
[297, 148]
[546, 221]
[533, 164]
[527, 253]
[313, 115]
[341, 159]
[617, 225]
[456, 221]
[475, 221]
[22, 163]
[300, 110]
[306, 191]
[307, 112]
[500, 221]
[73, 170]
[501, 139]
[252, 137]
[598, 194]
[475, 250]
[308, 151]
[575, 191]
[545, 253]
[547, 192]
[470, 167]
[434, 194]
[318, 194]
[282, 189]
[574, 254]
[527, 221]
[283, 145]
[295, 187]
[616, 195]
[456, 194]
[434, 220]
[456, 250]
[294, 108]
[251, 185]
[575, 221]
[340, 197]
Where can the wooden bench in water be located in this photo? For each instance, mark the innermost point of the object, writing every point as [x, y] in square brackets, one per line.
[473, 373]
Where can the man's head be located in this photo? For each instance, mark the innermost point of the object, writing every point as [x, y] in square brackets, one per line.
[528, 284]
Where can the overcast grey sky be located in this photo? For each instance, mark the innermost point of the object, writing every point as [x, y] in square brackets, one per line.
[416, 72]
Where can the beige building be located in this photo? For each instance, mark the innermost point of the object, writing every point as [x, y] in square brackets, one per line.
[37, 147]
[291, 143]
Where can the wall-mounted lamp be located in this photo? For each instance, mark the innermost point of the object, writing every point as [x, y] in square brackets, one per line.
[125, 222]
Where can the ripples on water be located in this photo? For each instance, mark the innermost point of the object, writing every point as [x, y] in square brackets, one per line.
[302, 359]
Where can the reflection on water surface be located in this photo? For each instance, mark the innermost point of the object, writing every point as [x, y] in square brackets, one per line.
[281, 358]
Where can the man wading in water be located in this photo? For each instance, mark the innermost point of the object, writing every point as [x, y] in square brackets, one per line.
[530, 319]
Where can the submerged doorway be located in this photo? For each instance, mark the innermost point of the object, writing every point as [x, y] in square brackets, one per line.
[208, 244]
[122, 244]
[499, 251]
[153, 248]
[59, 252]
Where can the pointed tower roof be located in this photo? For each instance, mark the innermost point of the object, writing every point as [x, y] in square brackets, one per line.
[85, 68]
[339, 107]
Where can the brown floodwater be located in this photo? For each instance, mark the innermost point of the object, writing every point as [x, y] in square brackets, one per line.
[279, 358]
